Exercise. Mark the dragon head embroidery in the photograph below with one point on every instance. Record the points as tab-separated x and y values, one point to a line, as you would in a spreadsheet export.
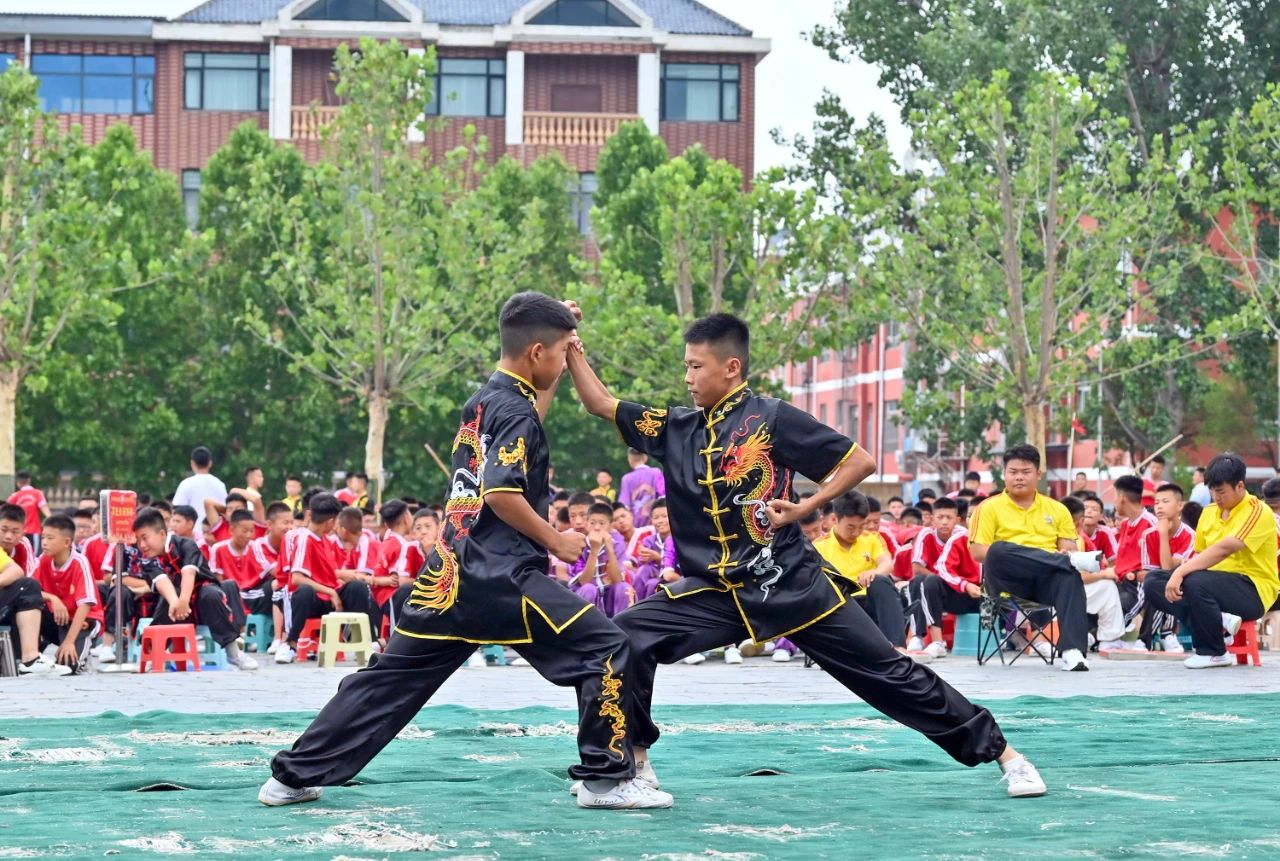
748	454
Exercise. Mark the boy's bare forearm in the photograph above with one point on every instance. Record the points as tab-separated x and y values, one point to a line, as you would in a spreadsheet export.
591	391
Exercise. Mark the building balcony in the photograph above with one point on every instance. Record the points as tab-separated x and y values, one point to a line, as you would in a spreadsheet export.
553	128
308	122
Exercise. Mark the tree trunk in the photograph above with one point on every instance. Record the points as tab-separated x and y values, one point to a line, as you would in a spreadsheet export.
10	379
378	407
1033	415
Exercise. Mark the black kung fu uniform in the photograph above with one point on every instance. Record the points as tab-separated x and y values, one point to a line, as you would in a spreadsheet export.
743	578
483	583
208	601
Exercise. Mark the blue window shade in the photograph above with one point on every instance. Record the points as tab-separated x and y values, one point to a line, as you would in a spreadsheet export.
95	83
583	13
701	92
5	60
226	82
349	10
468	88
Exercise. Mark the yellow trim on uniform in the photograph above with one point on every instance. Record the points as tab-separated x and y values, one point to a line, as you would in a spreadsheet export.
666	587
616	426
847	455
843	600
711	412
516	376
525	603
489	490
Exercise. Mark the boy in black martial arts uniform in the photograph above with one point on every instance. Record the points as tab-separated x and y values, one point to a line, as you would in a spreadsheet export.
486	581
748	572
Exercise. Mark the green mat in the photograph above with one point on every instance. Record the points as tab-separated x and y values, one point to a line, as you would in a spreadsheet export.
1129	777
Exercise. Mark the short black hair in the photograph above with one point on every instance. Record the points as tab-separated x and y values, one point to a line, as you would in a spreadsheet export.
186	511
1130	486
924	507
22	477
962	507
13	513
811	518
249	470
425	512
1159	459
1073	505
349	518
945	504
562	516
393	511
1172	487
912	514
728	336
1225	469
581	498
241	516
532	318
82	514
828	509
873	505
1271	489
605	470
1026	452
619	506
148	518
62	523
928	493
966	493
660	502
202	457
235	497
293	478
163	505
603	508
894	499
851	504
324	506
1081	475
972	476
561	496
1191	514
277	508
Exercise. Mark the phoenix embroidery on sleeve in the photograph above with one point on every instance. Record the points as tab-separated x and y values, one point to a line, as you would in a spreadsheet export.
651	422
517	455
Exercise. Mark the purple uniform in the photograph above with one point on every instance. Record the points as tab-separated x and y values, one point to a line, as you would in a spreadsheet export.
610	598
640	488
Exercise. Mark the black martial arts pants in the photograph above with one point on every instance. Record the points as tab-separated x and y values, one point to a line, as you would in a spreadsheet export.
209	608
306	604
933	596
390	608
234	603
51	633
1206	595
883	604
1043	577
374	704
845	643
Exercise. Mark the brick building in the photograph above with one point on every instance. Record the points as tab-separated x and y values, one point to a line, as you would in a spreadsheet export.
531	75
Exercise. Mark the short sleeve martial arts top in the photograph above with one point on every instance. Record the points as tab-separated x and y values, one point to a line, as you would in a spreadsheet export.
483	578
722	466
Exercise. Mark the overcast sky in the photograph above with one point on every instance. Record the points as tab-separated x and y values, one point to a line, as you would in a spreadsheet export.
788	84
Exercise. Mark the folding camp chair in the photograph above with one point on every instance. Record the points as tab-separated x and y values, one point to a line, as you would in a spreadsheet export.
1001	621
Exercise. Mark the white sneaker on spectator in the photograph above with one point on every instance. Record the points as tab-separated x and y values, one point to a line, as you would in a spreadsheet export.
1074	662
1209	662
242	662
1086	561
477	661
915	644
519	662
1135	646
1043	648
275	794
274	647
285	655
43	666
937	649
1231	624
781	656
1112	646
769	647
1172	644
1022	778
105	654
732	655
695	659
631	794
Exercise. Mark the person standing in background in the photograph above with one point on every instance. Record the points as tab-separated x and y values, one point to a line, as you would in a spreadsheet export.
202	484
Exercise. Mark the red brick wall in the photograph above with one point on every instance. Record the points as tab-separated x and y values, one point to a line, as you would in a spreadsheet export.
615	75
591	48
734	142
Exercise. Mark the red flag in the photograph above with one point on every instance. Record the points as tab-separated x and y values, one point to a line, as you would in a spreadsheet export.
1079	429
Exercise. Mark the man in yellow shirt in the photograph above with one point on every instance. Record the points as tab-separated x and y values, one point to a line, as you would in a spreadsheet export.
1026	543
865	568
1232	576
21	605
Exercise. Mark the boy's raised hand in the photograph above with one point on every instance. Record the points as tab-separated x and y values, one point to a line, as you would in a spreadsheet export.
568	546
574	309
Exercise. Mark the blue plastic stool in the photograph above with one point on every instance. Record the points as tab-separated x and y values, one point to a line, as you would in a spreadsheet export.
135	642
263	630
965	638
495	655
212	656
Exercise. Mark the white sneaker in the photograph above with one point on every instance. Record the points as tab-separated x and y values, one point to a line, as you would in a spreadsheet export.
732	655
274	647
781	656
695	659
105	654
1074	662
1209	662
1172	644
1113	646
275	794
936	649
477	661
770	647
242	662
631	794
1023	779
1231	624
1043	648
644	773
1086	561
43	665
285	655
519	662
1135	646
915	644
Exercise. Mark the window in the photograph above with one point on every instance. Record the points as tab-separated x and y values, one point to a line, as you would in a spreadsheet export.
226	82
6	59
700	92
349	10
822	413
851	427
583	13
191	196
892	431
470	88
95	84
582	196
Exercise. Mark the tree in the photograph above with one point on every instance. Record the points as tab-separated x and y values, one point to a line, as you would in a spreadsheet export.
768	253
1034	236
75	236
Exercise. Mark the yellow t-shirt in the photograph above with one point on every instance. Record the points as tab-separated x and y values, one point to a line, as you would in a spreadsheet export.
858	558
607	492
1040	526
5	560
1253	523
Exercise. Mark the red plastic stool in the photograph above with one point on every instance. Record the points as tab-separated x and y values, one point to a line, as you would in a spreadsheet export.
386	627
309	639
1245	646
155	648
